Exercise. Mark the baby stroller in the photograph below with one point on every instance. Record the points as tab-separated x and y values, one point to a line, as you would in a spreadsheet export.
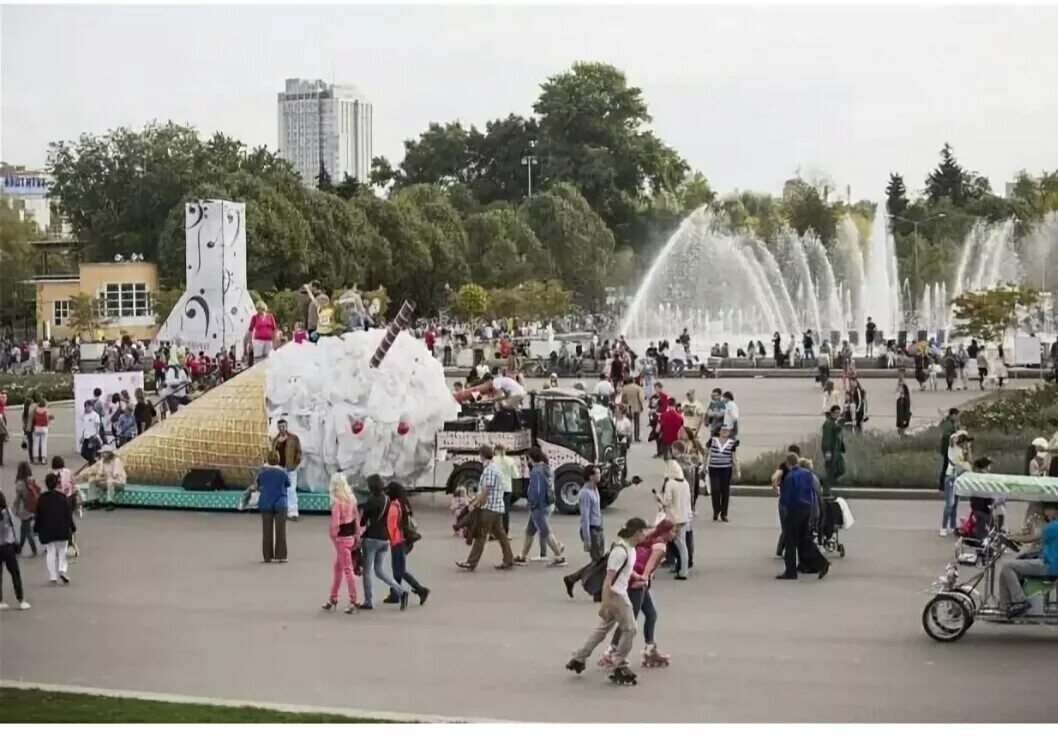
834	516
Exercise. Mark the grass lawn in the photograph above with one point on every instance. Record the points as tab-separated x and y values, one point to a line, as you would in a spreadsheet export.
38	706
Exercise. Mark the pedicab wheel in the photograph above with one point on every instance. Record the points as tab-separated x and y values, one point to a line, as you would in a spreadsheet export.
946	618
841	550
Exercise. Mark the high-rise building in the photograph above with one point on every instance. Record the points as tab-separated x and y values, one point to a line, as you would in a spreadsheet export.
326	124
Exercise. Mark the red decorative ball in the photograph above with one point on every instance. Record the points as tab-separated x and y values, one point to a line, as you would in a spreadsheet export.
356	427
403	428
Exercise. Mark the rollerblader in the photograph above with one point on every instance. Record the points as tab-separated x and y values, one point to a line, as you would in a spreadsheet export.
649	554
616	609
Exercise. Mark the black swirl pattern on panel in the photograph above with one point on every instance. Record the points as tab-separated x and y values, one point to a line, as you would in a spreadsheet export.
192	313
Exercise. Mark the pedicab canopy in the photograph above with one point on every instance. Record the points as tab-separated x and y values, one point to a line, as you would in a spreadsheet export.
1007	487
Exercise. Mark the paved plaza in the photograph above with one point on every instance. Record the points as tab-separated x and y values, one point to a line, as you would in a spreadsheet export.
178	602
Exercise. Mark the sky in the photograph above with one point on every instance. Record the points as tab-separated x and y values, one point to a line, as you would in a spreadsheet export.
749	95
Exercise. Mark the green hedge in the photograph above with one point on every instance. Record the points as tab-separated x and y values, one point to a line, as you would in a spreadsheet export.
878	459
1003	426
48	385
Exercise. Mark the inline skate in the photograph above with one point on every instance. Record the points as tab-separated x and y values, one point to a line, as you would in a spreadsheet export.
653	658
624	676
609	659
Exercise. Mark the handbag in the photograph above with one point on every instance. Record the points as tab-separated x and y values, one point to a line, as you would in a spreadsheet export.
410	529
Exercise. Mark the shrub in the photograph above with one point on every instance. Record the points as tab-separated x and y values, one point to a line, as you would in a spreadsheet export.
878	459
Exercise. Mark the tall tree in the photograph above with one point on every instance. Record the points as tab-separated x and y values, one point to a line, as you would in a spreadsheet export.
502	249
577	239
591	135
947	179
16	266
895	195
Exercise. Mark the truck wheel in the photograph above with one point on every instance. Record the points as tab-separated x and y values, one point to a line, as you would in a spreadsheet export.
567	489
468	477
606	500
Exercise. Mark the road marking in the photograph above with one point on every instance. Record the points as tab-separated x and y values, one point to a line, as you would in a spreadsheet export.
400	717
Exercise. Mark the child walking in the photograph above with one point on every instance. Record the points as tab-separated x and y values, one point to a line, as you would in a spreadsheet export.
345	535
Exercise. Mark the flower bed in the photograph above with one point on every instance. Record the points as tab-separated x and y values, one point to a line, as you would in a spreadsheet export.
48	385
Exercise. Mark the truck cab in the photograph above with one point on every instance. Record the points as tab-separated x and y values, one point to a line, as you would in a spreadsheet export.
573	432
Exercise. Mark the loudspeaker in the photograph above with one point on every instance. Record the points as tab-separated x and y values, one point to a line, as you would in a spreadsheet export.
942	336
835	338
198	480
901	338
854	337
923	335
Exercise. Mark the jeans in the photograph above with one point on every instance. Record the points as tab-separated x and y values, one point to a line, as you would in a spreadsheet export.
55	559
39	449
540	525
508	500
292	493
1010	590
951	505
343	568
7	559
680	541
799	542
720	483
635	425
374	565
617	612
641	602
398	560
25	529
274	534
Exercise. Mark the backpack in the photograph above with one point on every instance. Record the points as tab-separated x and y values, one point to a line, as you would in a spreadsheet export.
593	578
32	496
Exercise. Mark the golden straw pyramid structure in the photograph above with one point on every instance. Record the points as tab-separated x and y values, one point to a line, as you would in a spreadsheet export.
225	429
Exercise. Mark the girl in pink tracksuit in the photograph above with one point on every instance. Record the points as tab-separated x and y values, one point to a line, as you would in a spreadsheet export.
345	535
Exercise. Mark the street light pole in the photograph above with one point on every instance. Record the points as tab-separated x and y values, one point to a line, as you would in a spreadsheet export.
527	161
915	224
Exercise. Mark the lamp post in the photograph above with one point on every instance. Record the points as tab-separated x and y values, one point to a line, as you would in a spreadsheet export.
527	161
915	224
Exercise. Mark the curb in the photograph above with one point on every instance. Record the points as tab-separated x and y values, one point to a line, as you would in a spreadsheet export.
399	717
849	493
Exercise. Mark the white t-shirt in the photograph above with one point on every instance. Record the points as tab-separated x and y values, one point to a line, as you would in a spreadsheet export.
508	385
604	389
730	414
624	427
622	559
90	425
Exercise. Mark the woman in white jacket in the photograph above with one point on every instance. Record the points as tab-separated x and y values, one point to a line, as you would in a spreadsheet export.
831	397
675	501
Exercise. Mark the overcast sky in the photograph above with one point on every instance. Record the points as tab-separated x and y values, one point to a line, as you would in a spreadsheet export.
746	95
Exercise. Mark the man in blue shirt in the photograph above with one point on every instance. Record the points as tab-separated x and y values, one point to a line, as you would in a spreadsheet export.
1011	593
591	532
797	497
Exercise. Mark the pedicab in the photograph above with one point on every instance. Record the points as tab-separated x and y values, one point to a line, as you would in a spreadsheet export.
958	602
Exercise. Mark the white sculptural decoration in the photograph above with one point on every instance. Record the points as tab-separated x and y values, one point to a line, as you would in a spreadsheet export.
214	312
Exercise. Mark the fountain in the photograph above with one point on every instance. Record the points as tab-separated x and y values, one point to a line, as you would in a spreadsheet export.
725	286
729	287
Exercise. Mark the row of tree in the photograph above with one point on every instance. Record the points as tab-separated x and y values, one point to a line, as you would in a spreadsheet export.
606	193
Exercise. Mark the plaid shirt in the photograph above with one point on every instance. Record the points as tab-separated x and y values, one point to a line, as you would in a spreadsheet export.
490	481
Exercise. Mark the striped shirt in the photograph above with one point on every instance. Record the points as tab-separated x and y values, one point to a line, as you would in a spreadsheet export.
490	481
721	453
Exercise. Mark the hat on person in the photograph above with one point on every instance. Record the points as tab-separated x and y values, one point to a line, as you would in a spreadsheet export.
633	526
1040	443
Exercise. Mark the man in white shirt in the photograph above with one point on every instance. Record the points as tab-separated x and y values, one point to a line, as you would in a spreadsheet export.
508	391
731	414
693	417
604	389
616	606
623	426
91	432
176	384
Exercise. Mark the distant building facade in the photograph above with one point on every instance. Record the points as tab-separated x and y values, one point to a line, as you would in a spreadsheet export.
26	192
328	125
